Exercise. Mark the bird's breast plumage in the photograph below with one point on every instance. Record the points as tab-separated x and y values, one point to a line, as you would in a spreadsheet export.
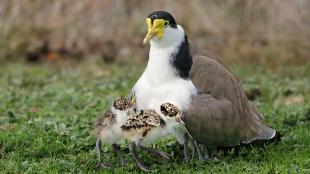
176	91
160	82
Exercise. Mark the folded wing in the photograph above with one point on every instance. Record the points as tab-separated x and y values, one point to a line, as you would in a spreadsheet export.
221	114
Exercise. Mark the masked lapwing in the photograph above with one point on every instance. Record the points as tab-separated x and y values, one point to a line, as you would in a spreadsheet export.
166	76
220	113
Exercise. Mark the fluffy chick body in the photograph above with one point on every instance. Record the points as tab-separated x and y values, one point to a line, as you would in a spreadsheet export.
171	115
108	126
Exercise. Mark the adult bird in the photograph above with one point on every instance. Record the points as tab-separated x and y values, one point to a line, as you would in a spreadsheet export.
166	76
216	109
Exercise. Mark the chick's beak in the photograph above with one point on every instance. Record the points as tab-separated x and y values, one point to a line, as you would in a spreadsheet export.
157	28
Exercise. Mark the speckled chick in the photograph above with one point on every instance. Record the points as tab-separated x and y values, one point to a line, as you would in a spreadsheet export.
108	126
146	127
174	126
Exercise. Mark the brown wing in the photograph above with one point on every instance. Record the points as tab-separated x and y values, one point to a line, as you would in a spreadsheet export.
151	118
221	113
146	118
133	122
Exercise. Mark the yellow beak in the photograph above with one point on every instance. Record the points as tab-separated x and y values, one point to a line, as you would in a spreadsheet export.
156	29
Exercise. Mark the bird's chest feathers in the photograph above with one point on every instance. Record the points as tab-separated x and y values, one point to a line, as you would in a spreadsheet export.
149	95
159	69
159	83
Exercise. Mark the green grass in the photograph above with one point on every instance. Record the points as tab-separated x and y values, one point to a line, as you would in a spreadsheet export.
47	111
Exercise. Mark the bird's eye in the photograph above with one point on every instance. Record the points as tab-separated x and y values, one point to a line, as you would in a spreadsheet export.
166	23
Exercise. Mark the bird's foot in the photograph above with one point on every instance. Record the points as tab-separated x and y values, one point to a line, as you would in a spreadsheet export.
206	158
157	153
162	154
132	149
103	165
142	166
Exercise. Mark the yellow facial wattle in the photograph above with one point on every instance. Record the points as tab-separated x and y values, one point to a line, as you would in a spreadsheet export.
156	29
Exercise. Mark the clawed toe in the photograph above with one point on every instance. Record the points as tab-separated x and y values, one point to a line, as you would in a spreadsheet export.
163	154
206	158
143	167
157	153
103	165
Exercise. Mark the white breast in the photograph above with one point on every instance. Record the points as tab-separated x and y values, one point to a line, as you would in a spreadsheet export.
176	91
159	83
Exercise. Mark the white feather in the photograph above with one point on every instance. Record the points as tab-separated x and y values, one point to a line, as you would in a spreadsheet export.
113	133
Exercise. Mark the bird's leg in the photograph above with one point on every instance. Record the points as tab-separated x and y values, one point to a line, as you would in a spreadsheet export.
202	149
157	153
132	149
116	150
200	157
193	148
185	150
99	151
205	151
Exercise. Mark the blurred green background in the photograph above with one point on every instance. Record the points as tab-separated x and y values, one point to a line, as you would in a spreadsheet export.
266	31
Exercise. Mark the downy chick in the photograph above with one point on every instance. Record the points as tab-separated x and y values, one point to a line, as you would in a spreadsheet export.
145	128
175	126
108	127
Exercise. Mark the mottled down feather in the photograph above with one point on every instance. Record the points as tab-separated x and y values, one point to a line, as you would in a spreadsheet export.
145	118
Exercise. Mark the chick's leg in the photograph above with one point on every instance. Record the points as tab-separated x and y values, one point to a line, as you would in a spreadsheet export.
116	150
99	151
132	149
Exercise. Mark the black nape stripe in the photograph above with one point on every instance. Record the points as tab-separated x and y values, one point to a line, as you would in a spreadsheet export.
182	60
163	15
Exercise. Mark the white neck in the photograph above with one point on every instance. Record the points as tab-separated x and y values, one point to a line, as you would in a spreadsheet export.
172	38
161	54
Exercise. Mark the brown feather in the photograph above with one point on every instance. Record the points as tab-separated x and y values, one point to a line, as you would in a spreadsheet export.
145	118
221	114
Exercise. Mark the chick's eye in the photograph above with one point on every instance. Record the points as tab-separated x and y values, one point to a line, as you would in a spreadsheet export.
166	23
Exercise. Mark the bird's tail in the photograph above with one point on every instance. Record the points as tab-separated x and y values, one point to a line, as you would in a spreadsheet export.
262	133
